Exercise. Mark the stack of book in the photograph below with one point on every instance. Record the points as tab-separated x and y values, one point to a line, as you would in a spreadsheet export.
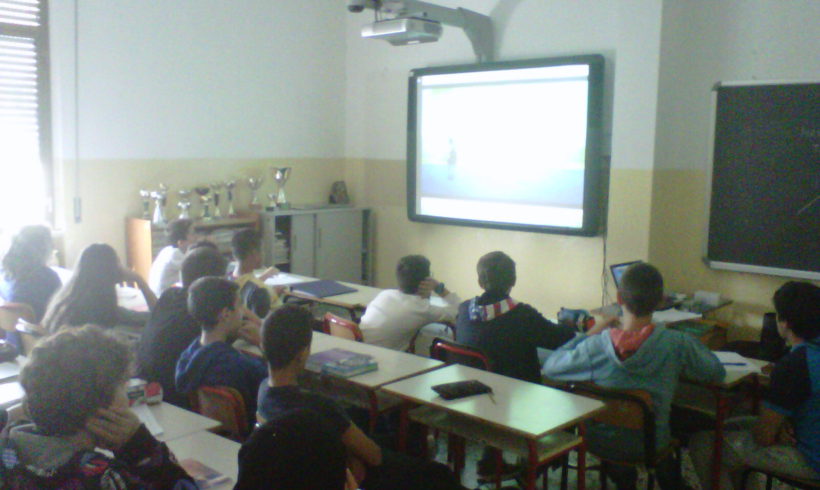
340	362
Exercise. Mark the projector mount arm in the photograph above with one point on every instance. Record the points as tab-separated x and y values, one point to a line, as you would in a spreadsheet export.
478	27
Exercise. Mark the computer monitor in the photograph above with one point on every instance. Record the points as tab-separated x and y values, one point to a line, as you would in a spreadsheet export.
619	269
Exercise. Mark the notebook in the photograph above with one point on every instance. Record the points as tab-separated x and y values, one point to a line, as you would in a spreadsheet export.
340	362
322	288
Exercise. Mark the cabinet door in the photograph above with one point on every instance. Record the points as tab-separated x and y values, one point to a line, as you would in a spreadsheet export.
303	244
339	245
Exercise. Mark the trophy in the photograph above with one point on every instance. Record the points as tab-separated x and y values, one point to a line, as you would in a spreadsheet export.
271	201
206	200
184	203
159	196
145	194
281	175
230	185
216	187
255	183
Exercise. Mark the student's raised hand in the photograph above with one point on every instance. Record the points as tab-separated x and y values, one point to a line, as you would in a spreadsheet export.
269	272
112	427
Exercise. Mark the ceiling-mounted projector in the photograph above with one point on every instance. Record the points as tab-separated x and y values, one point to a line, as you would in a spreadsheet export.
402	22
400	32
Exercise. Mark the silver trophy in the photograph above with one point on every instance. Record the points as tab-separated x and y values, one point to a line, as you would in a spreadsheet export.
281	175
145	194
255	183
230	185
203	192
160	197
271	201
184	203
216	187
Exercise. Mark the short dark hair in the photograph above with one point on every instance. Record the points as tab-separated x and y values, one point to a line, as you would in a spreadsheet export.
178	230
245	242
641	288
208	296
285	333
70	375
410	271
295	450
202	262
798	303
203	244
496	272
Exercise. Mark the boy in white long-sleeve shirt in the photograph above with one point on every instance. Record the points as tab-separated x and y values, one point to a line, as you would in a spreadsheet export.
394	317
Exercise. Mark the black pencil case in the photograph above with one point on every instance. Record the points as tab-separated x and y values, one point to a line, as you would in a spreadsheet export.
461	389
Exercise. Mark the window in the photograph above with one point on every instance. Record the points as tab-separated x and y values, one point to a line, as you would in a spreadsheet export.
25	127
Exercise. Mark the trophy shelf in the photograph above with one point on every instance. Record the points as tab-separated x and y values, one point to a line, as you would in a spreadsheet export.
144	240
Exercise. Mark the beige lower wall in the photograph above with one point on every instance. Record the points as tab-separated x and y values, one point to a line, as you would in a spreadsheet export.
110	191
553	270
679	218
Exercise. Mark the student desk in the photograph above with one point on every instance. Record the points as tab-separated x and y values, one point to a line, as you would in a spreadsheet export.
11	393
177	422
715	400
393	366
9	371
211	450
522	417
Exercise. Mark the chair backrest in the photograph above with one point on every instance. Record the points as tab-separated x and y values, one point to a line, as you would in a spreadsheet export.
454	353
30	334
224	404
10	313
628	409
342	327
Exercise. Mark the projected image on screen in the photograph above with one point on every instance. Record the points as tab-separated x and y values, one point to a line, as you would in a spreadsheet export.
503	146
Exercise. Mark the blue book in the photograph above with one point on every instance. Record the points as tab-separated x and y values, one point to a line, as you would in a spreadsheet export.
340	362
322	288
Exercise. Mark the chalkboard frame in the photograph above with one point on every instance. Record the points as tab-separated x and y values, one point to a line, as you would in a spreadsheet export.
707	235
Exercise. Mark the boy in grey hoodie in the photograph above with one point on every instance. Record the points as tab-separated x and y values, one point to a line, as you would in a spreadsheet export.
636	355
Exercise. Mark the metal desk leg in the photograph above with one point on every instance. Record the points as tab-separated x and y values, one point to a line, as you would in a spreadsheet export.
532	464
403	424
373	402
582	459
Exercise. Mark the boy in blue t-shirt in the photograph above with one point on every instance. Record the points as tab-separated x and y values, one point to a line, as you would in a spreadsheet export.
785	437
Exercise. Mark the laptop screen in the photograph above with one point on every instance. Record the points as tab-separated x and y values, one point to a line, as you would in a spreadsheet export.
618	271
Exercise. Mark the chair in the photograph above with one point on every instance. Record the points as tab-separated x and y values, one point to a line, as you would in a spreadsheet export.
11	313
774	475
451	352
30	334
224	404
628	409
342	327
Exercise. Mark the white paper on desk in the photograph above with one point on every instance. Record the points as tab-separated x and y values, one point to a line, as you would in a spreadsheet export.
673	315
732	361
9	370
146	417
285	280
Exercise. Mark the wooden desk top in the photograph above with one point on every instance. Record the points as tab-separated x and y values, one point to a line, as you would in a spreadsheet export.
527	409
211	450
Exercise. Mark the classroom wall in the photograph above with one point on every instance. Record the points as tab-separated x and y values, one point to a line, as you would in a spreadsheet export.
187	92
703	43
554	270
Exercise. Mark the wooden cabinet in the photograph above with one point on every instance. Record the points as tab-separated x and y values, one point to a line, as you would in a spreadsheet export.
144	241
329	243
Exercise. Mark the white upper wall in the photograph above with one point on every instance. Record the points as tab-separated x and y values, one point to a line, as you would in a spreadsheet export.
176	79
626	32
730	40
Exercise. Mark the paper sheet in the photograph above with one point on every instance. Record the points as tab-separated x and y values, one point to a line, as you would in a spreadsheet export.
732	361
674	315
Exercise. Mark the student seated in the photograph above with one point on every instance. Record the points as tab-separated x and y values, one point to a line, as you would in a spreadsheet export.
286	339
509	332
165	269
785	437
171	328
211	360
637	355
395	316
296	450
26	276
256	295
77	403
90	296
